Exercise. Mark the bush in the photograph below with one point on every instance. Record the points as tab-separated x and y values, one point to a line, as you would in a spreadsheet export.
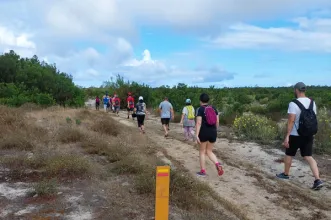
255	127
258	109
44	99
323	136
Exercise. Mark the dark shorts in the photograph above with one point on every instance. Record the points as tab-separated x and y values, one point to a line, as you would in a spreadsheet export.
97	103
140	119
130	109
165	121
305	144
208	134
116	108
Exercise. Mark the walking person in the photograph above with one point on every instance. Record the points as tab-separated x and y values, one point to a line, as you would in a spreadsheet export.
105	102
130	104
206	134
166	112
187	120
301	128
140	111
116	104
97	103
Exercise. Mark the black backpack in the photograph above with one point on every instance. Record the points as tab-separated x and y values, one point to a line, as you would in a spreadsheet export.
308	125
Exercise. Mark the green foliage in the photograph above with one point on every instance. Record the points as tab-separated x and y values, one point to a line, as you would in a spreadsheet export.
255	127
78	122
323	136
25	80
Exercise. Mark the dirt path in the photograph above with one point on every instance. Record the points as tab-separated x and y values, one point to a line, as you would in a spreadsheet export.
249	185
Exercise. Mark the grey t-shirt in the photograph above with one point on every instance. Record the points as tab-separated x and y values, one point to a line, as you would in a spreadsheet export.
165	107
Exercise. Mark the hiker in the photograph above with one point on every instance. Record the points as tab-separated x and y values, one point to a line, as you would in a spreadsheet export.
166	113
206	134
116	104
301	128
140	111
97	103
105	102
130	104
187	120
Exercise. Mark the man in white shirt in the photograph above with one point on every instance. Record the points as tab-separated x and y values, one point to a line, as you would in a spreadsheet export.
293	141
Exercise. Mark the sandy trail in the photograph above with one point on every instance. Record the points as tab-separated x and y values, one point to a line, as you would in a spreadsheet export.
249	182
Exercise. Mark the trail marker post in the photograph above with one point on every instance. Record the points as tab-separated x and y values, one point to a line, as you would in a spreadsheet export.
162	193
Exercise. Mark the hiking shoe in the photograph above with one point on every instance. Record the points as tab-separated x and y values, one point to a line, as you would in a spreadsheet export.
219	169
283	176
318	184
203	174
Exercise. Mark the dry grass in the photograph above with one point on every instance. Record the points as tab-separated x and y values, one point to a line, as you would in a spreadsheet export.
70	135
46	187
114	150
109	127
67	166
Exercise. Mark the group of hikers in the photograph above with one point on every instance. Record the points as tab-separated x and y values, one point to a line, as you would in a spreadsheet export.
301	128
109	103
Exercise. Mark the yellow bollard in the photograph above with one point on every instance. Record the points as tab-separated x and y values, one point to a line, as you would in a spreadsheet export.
162	193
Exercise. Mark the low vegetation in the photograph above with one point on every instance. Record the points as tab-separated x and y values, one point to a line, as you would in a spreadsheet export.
254	127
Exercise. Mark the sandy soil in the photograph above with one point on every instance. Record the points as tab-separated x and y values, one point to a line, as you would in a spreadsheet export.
249	181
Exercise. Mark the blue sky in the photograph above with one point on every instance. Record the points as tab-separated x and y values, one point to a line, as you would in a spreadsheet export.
212	42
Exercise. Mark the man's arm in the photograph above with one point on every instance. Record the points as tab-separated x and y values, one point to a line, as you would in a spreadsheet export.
290	124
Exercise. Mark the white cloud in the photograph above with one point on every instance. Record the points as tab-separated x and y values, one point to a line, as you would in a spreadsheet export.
307	35
95	39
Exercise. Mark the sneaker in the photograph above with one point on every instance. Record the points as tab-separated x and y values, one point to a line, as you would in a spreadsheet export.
283	176
219	169
203	174
318	184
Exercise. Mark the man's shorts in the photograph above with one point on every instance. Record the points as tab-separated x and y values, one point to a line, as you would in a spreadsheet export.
116	108
130	109
165	121
305	144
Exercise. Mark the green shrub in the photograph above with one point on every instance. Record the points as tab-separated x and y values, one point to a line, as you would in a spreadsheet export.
323	136
264	101
258	109
44	99
255	127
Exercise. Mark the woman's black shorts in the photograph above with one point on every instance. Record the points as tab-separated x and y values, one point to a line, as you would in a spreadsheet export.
140	119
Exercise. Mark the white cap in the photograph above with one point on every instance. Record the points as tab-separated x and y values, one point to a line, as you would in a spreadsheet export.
141	98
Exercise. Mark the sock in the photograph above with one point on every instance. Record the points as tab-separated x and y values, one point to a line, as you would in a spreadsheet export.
203	171
218	164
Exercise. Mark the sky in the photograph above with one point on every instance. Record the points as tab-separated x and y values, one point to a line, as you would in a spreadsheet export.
224	43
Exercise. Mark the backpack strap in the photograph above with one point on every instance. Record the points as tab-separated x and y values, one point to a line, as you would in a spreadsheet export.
298	103
311	106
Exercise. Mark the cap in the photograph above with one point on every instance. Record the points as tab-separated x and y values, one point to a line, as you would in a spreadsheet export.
141	98
300	86
188	101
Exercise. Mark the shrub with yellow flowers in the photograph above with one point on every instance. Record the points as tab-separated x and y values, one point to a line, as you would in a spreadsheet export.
255	127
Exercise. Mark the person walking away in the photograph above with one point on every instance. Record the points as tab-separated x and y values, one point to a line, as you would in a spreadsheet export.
130	104
97	103
141	112
105	102
166	112
187	120
116	103
206	134
301	128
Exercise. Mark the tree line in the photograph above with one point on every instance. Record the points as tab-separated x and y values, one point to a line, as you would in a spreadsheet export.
29	80
232	102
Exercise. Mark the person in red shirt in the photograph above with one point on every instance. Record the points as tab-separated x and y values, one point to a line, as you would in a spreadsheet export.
116	104
130	104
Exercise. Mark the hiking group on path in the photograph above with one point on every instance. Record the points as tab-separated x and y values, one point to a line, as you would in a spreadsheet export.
301	127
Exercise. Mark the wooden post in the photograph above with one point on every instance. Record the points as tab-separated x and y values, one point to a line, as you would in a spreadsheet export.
162	193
